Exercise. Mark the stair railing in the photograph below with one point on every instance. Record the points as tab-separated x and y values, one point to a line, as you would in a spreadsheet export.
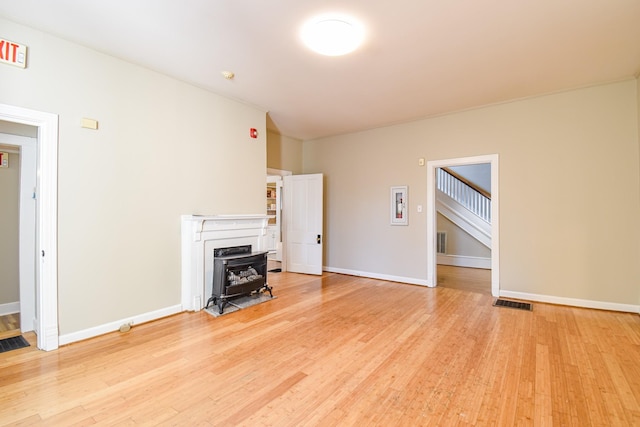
464	192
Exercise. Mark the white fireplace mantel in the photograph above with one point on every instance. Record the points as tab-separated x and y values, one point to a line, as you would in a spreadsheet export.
201	234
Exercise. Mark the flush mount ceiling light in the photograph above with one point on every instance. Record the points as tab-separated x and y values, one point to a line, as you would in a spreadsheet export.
332	35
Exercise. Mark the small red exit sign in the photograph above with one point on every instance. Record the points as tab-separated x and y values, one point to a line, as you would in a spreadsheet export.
4	160
13	53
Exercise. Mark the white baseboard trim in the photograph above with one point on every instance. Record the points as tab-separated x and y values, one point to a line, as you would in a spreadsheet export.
574	302
9	308
409	280
114	326
464	261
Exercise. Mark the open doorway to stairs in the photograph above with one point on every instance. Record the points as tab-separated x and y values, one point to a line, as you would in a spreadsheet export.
432	167
46	265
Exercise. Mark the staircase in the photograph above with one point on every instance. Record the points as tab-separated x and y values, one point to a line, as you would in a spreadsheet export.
464	204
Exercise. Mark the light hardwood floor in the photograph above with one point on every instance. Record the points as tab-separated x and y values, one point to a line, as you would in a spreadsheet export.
468	279
345	351
9	325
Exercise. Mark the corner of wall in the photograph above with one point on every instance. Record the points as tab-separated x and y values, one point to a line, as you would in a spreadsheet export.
638	137
284	152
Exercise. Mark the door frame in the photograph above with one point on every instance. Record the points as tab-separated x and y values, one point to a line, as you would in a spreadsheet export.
432	277
46	219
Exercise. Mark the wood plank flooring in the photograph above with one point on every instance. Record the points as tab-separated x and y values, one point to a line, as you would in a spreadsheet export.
9	325
468	279
345	351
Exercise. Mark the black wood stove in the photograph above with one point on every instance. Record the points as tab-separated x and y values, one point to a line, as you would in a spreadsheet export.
237	271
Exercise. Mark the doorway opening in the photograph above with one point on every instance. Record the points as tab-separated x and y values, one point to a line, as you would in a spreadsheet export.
276	261
295	232
19	229
46	264
432	216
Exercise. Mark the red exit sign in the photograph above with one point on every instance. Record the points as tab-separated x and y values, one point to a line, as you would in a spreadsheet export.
13	53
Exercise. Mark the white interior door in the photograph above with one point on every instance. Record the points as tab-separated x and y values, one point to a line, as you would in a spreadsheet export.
303	223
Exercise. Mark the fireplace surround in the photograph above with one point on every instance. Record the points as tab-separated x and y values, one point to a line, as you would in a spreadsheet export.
201	235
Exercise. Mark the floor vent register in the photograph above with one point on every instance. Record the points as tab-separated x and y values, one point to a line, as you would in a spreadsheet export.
513	304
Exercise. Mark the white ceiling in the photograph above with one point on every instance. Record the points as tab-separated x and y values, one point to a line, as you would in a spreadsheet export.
420	58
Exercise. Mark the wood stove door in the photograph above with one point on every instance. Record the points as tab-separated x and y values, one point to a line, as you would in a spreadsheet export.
245	274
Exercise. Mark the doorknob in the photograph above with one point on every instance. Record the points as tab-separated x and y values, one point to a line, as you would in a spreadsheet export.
318	239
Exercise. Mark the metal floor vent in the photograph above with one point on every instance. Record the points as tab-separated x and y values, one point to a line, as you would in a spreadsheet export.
13	343
513	304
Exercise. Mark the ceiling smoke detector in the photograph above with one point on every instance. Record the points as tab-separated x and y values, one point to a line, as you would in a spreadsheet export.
332	35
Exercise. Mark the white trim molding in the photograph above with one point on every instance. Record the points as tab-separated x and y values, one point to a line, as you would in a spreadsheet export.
46	324
387	277
573	302
115	325
464	261
9	308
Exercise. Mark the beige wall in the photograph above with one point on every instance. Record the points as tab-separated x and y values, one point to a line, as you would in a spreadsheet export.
9	213
459	242
163	149
284	153
569	191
